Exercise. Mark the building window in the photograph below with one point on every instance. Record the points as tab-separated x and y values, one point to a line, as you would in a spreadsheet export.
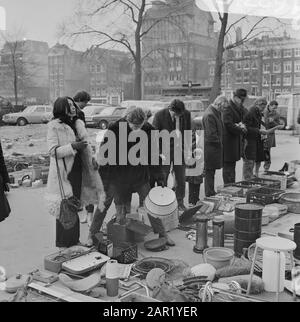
287	53
93	68
246	64
278	81
254	64
287	80
266	68
266	80
297	52
254	52
238	54
287	66
247	53
238	65
277	53
254	90
297	79
212	70
266	54
246	77
277	67
238	78
297	66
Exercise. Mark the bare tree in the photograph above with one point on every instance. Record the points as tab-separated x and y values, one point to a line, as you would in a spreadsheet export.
18	68
257	26
120	22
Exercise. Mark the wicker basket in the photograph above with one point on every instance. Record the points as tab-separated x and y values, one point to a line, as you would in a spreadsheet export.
125	253
264	196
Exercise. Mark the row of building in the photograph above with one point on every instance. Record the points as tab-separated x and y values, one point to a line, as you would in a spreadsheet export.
178	59
44	73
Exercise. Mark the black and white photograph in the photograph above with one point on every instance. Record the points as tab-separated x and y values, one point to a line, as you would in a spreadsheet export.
149	153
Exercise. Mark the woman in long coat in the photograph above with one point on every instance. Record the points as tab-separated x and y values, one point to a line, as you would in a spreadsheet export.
4	180
61	138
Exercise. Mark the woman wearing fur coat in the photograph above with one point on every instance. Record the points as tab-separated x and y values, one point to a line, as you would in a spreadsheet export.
65	133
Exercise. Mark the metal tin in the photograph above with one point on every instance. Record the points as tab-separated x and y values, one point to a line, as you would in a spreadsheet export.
201	234
218	233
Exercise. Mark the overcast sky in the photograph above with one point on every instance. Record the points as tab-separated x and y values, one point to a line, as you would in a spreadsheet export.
40	18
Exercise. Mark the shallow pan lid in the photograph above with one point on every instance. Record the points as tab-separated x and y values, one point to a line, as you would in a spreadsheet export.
162	196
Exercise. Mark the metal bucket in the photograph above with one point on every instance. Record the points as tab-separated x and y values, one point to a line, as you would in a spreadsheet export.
248	223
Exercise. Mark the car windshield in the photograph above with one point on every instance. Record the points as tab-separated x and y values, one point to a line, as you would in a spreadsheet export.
29	109
107	112
92	110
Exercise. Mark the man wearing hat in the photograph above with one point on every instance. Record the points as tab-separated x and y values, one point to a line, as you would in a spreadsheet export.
234	131
254	147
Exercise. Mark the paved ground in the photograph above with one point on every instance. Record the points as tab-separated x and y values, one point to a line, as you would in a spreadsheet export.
27	236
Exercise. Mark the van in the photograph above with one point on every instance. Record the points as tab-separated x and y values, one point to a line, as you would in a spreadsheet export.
288	109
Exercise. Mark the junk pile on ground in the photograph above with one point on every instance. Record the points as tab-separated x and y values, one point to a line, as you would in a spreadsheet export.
239	261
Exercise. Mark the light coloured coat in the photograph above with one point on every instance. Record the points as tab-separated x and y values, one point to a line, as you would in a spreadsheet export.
61	136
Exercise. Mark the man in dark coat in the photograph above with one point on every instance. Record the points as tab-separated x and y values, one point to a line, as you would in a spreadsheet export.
175	118
254	149
128	176
234	131
213	142
4	187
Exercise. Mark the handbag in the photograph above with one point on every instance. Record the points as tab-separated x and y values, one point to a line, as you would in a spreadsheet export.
69	207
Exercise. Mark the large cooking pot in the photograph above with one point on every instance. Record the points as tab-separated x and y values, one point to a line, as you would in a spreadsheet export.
161	201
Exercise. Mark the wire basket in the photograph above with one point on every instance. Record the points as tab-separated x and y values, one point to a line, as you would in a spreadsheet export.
125	253
274	184
247	186
264	196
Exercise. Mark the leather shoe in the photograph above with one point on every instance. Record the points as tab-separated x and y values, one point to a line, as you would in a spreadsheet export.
169	242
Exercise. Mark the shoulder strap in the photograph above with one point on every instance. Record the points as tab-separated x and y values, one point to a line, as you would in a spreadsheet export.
61	187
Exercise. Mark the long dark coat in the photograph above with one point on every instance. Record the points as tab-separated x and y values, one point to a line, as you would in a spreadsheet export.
254	149
132	174
163	121
4	178
233	135
213	139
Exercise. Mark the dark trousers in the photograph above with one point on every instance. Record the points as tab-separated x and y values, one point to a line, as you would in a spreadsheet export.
194	191
123	193
100	216
229	172
179	171
209	182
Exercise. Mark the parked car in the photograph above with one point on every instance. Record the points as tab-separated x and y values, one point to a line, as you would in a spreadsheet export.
31	114
5	107
109	115
92	112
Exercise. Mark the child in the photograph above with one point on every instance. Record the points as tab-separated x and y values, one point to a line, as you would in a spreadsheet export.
198	154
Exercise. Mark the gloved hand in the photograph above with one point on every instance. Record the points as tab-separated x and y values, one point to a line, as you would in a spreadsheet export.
95	164
6	187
